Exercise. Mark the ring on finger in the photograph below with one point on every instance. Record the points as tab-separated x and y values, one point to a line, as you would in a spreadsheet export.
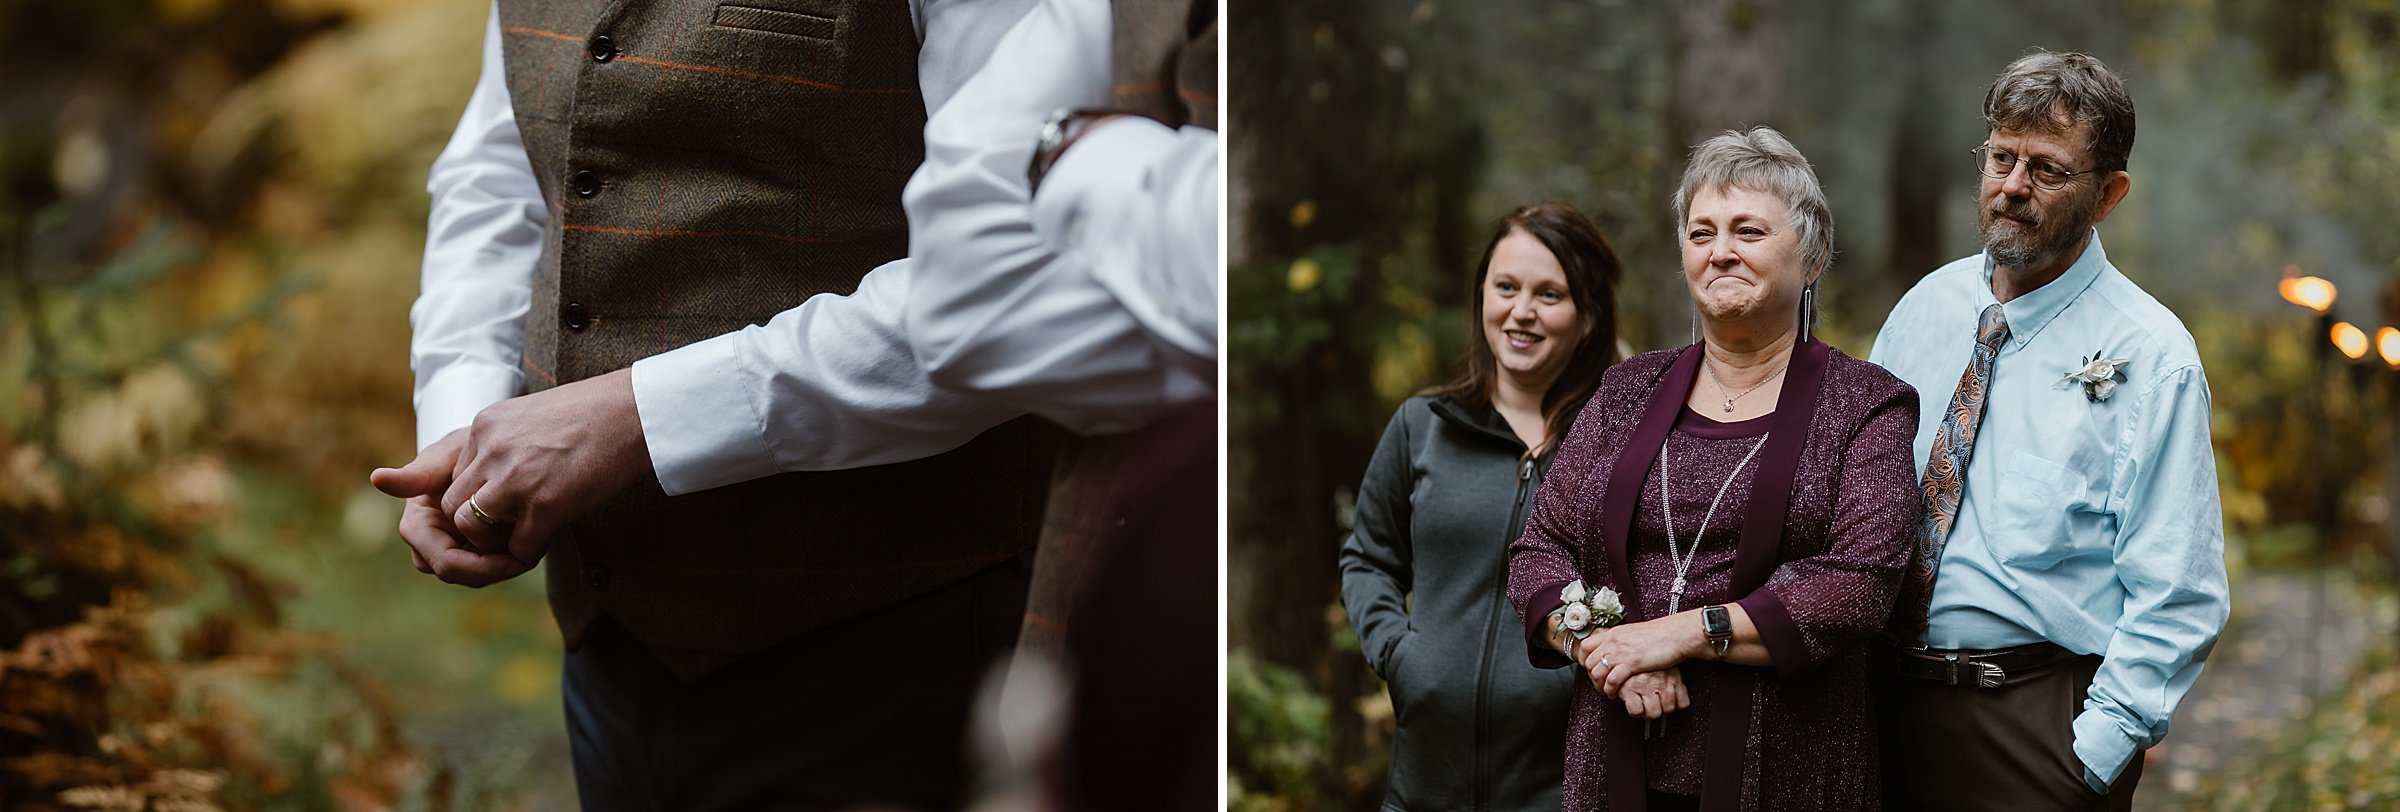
481	516
1603	658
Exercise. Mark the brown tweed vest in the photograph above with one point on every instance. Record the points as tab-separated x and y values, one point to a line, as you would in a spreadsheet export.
1164	56
707	165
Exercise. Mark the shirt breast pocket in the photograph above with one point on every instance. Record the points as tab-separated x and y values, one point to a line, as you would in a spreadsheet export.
2037	503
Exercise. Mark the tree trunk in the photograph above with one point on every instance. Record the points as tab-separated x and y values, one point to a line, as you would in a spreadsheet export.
1726	72
1919	184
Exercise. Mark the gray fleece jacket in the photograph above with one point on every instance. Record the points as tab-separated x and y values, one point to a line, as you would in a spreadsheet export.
1424	579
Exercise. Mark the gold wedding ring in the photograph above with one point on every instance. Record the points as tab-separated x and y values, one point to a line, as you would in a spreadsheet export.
481	516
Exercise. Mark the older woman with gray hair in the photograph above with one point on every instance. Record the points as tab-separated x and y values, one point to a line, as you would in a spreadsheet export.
1726	525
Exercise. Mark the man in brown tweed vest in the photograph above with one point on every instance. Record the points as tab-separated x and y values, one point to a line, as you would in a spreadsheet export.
636	177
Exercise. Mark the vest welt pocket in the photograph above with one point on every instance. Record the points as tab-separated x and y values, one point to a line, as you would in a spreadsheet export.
777	21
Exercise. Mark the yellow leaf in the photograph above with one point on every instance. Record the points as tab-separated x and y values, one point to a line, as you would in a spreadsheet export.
1304	213
1304	275
527	678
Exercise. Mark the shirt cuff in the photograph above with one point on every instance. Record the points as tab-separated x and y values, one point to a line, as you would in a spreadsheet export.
450	399
1089	180
2103	748
701	416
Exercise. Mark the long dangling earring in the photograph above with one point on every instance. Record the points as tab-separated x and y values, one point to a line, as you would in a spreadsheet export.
1695	322
1808	312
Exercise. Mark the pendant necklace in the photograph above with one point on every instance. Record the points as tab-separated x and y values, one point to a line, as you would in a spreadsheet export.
1720	382
1683	558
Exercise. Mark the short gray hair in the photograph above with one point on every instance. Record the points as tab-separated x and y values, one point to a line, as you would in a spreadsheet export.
1761	160
2051	93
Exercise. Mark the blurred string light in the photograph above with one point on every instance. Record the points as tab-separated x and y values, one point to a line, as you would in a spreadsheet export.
2350	340
2387	344
2310	292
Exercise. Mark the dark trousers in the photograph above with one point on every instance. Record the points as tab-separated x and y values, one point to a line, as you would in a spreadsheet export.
870	712
2008	748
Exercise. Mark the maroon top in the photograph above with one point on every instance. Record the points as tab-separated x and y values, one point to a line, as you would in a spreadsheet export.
1823	523
1701	456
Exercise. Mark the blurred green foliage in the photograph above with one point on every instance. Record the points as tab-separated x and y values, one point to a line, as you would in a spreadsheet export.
1279	732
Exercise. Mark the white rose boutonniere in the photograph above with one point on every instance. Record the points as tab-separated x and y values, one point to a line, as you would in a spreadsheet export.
2099	375
1589	610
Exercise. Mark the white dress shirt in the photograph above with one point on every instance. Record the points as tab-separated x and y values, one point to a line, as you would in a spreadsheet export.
836	382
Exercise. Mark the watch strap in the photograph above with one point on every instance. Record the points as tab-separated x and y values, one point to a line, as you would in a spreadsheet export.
1059	133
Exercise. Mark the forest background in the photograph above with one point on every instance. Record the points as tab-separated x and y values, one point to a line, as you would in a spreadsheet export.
1374	142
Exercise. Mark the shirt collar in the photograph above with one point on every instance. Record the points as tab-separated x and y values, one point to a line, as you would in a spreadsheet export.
2028	314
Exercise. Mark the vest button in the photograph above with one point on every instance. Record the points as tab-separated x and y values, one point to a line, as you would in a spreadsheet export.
586	183
603	48
577	317
595	576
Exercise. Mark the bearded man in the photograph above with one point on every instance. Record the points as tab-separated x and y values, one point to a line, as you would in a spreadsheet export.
2070	579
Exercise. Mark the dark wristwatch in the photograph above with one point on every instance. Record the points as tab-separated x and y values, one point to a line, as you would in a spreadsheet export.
1058	133
1717	623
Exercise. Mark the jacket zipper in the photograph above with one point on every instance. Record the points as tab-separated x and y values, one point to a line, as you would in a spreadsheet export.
1483	680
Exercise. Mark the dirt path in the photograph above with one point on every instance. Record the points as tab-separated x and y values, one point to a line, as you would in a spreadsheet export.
2258	682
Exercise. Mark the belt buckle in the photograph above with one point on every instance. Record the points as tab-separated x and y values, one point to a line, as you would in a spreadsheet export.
1992	675
1986	674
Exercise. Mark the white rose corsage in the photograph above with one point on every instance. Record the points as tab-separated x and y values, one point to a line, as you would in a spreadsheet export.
1588	610
2099	376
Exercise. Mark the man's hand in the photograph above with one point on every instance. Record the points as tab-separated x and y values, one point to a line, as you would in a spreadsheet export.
434	544
531	465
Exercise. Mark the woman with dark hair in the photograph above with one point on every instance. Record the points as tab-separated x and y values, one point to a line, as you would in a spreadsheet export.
1424	568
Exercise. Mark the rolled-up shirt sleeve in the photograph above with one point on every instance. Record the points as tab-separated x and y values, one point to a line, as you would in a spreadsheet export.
2170	557
482	243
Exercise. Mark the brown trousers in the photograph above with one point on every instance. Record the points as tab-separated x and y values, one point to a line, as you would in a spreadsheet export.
2007	748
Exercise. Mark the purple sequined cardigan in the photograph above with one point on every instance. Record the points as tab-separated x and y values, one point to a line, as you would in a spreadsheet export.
1818	571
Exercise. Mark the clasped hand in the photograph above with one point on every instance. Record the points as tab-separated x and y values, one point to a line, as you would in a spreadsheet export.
531	464
1637	664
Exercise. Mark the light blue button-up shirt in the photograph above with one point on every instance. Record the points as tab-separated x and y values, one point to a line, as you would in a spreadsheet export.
2092	524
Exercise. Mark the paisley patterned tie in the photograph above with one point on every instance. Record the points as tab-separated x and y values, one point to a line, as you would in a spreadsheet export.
1946	475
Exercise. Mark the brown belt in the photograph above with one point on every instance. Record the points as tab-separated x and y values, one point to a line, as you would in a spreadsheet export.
1981	669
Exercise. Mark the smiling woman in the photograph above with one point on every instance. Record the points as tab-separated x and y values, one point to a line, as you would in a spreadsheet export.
1444	495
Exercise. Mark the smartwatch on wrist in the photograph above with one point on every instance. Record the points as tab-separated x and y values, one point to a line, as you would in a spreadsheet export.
1716	622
